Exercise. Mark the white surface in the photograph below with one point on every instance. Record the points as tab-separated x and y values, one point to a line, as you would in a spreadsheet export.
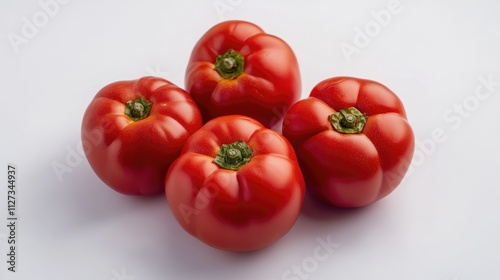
442	223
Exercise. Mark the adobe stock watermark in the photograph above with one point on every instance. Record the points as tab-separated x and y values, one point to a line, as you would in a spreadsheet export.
31	26
156	71
371	29
222	7
453	117
121	275
73	158
75	155
203	197
310	264
212	186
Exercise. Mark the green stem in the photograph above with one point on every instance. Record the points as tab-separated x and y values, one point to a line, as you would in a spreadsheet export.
348	121
138	109
233	156
230	65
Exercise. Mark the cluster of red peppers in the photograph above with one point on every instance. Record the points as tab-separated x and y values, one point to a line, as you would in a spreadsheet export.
215	149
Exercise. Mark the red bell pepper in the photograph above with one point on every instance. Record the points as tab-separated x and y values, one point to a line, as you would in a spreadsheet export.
236	68
352	139
137	129
236	186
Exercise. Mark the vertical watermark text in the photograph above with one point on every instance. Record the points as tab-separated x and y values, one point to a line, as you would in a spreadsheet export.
12	223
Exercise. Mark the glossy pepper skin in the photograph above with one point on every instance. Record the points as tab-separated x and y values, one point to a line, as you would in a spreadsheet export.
350	158
236	186
236	68
133	130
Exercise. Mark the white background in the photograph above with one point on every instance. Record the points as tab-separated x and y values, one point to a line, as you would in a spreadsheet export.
442	223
